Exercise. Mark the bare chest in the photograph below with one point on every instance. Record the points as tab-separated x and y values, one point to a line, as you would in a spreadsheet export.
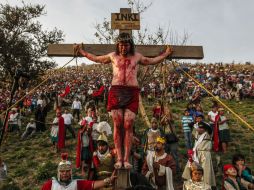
128	64
125	70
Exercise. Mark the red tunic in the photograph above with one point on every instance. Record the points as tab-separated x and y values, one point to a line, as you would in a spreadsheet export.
123	97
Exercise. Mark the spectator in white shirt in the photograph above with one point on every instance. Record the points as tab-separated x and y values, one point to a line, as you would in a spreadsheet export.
67	122
40	101
212	114
30	129
76	107
13	120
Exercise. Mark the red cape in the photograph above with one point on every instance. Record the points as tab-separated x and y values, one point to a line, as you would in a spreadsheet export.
61	133
79	147
82	184
66	91
98	92
216	146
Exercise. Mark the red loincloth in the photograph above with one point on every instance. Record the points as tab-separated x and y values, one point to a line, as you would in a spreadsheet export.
123	97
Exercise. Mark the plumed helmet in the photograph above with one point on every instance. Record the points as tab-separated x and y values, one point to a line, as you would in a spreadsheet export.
103	138
63	165
103	126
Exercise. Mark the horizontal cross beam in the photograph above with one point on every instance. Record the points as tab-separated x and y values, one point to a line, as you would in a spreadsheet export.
179	52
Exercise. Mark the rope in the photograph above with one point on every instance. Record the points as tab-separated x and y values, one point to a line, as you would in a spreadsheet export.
211	94
6	111
45	80
35	120
76	60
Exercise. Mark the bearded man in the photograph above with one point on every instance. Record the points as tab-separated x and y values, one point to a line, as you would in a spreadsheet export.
64	179
103	161
159	167
123	96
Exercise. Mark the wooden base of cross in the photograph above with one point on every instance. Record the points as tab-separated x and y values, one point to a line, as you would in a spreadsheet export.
123	179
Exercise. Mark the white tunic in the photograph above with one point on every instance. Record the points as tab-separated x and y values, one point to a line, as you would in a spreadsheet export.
54	128
57	186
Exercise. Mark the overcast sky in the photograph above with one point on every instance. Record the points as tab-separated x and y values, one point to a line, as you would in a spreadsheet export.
224	28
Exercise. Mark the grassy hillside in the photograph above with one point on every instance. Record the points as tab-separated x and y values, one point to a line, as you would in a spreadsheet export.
32	161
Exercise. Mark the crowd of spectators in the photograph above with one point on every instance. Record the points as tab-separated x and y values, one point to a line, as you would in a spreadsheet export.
77	86
226	81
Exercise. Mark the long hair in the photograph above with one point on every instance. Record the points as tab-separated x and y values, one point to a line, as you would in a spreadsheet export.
125	38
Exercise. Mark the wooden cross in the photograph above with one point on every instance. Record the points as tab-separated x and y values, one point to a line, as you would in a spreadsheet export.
125	21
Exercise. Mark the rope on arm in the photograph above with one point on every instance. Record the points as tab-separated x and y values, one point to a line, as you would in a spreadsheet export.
45	80
10	107
211	94
76	49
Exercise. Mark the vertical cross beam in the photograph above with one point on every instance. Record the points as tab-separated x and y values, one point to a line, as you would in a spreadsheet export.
125	21
125	10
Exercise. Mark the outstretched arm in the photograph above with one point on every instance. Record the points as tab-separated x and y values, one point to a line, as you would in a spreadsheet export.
106	182
158	59
98	59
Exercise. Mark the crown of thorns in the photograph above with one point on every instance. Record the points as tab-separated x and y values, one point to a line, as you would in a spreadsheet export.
124	39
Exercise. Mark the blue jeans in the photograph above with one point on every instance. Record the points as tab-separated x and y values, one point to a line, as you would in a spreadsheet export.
188	140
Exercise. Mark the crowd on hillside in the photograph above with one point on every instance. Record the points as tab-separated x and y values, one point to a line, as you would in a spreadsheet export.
224	81
79	95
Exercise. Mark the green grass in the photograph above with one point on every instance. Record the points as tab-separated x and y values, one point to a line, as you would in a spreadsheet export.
33	161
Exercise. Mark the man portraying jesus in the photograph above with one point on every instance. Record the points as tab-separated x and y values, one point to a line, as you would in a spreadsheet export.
124	92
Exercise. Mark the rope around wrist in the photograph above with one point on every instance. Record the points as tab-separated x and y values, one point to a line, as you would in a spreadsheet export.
107	181
77	48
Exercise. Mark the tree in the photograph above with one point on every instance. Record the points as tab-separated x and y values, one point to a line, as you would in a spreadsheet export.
23	42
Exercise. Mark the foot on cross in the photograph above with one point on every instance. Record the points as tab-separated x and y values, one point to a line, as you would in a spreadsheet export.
127	165
118	164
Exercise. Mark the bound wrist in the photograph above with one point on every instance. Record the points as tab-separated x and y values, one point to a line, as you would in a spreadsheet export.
107	181
83	52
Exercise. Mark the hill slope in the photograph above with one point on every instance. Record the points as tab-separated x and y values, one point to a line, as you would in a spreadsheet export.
32	161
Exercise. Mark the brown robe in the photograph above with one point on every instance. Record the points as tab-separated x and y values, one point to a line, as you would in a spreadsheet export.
168	161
